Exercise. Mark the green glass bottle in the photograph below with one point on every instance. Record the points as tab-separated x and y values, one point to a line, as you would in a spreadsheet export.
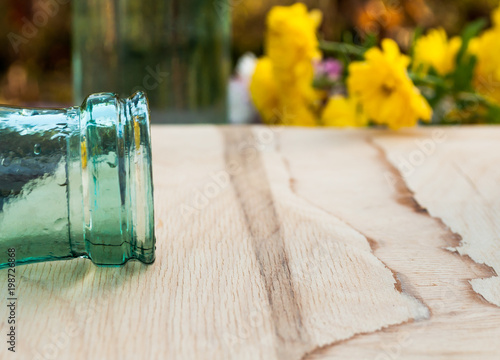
77	182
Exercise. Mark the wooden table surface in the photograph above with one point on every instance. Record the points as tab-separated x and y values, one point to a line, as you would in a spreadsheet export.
290	243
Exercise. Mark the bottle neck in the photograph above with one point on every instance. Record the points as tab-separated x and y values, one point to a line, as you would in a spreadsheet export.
77	182
110	181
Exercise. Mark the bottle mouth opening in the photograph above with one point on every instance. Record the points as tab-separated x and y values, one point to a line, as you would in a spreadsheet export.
140	178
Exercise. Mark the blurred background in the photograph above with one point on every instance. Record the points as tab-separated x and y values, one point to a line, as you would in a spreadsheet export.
36	51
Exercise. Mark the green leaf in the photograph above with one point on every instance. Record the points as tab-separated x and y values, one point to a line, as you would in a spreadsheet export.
466	63
345	49
429	80
370	41
471	31
347	37
464	74
416	35
493	116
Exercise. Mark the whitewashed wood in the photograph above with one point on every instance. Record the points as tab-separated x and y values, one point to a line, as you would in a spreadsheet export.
289	243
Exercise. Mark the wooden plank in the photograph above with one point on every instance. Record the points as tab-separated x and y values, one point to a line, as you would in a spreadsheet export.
466	198
291	243
369	193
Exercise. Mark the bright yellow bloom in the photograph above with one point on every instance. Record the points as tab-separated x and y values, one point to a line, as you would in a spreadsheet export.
264	90
291	42
386	92
486	48
344	112
285	108
294	113
496	17
281	86
434	50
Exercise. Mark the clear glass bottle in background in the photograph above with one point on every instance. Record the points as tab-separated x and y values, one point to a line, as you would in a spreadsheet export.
178	51
77	182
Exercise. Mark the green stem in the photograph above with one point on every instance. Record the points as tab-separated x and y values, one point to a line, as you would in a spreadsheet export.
342	48
428	80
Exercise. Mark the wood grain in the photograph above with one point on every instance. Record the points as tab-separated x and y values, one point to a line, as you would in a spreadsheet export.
290	243
467	197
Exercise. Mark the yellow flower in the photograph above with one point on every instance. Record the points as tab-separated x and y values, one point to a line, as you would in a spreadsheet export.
291	41
342	111
386	92
293	113
281	86
486	48
434	50
496	17
263	89
285	107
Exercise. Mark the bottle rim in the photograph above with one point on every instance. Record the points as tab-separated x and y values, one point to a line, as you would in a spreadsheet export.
128	233
141	178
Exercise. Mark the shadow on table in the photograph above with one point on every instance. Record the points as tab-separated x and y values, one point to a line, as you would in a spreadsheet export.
60	277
